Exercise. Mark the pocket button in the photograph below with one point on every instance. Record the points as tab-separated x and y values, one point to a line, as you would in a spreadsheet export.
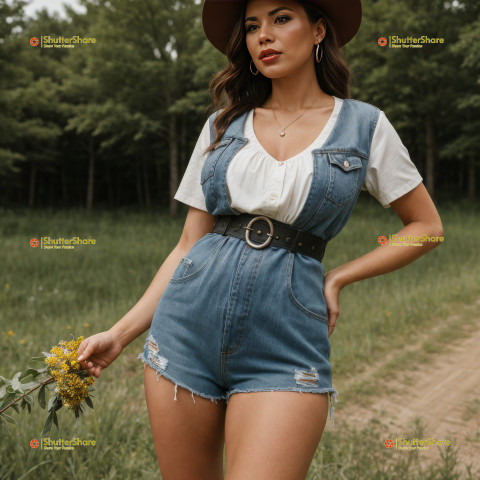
346	164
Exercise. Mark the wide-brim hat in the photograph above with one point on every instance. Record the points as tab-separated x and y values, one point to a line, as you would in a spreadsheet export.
219	17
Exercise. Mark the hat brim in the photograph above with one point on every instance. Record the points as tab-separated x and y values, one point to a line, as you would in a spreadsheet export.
219	17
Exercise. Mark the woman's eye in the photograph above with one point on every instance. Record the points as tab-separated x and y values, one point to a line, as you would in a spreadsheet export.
280	17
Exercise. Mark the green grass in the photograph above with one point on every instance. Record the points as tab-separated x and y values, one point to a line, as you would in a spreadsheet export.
46	295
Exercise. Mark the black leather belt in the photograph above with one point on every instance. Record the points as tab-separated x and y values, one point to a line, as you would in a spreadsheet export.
260	231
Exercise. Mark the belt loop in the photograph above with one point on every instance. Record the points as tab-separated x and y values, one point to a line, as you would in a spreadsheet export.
296	241
226	219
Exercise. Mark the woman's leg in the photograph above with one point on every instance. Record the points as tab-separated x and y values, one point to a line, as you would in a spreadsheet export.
273	435
189	437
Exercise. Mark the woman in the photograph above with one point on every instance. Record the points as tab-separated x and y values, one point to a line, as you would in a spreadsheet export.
242	309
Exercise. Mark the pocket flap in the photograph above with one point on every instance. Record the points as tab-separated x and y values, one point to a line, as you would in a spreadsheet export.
346	161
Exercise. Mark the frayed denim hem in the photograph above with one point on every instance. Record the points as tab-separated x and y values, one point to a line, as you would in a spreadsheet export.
177	383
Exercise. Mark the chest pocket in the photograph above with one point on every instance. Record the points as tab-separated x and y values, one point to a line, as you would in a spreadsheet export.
210	163
344	180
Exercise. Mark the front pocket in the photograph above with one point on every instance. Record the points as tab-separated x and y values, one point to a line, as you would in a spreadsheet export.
343	185
202	252
182	268
305	285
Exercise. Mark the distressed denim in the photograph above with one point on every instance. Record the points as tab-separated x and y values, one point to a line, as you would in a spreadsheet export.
237	319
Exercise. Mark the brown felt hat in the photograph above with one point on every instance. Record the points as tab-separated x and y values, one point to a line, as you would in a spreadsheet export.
219	17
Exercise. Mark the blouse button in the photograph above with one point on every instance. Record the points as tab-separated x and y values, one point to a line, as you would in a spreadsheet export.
280	164
273	196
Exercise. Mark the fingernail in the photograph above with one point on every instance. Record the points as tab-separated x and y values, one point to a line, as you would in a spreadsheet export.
80	357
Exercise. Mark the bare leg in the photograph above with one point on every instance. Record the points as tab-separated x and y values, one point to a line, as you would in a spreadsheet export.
273	435
189	437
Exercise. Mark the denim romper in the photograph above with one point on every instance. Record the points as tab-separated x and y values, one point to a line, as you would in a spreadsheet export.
237	319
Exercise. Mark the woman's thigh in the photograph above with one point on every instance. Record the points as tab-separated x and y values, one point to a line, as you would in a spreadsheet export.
273	435
188	437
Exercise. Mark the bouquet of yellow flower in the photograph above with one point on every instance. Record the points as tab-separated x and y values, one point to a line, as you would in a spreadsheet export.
73	386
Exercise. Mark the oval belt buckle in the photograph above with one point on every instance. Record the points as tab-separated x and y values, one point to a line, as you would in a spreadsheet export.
248	229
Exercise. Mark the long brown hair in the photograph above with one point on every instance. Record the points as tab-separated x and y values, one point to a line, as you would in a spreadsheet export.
241	91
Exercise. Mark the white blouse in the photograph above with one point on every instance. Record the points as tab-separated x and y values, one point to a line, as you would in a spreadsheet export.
258	183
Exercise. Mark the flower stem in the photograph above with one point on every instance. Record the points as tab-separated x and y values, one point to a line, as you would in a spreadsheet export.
46	382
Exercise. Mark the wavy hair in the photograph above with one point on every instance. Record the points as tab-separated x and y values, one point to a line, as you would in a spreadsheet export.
236	90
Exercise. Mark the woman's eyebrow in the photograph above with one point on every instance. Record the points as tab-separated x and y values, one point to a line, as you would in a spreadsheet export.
273	12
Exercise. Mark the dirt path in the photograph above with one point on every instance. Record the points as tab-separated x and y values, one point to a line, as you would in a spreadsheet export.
444	393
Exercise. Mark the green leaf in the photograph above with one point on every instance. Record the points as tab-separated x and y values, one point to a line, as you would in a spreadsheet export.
8	418
41	396
7	399
16	384
15	407
31	371
55	420
48	423
51	402
28	399
89	402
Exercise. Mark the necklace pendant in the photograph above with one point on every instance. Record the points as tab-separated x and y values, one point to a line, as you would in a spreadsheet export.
282	133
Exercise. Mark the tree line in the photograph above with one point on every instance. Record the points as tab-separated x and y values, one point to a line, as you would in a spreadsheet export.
114	122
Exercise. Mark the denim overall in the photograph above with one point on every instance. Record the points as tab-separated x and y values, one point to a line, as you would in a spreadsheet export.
237	319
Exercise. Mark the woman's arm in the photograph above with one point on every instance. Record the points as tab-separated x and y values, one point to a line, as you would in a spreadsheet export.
100	350
419	215
139	318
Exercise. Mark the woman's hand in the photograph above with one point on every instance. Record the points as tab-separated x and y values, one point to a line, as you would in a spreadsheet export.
331	290
98	351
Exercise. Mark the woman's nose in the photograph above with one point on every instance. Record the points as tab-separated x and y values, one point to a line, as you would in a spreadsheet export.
265	34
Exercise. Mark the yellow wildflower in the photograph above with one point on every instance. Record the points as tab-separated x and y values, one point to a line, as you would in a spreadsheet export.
11	333
72	382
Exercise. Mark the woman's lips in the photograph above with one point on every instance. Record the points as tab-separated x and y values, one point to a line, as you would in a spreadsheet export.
270	58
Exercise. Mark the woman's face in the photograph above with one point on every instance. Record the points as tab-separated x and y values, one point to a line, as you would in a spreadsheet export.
281	25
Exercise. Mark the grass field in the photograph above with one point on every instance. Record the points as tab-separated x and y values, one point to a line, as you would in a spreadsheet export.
46	295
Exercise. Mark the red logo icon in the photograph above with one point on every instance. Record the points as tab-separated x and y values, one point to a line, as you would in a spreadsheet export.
34	242
34	41
34	443
382	41
382	240
389	443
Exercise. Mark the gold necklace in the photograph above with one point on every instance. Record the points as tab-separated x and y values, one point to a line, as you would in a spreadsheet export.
282	130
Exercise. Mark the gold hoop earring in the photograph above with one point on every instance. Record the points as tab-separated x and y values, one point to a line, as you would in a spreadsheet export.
316	54
251	68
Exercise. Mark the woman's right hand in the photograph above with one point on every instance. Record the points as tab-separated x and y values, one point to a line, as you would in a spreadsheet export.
98	351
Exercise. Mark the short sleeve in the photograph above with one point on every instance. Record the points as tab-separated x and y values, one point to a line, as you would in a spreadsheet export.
190	190
390	172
